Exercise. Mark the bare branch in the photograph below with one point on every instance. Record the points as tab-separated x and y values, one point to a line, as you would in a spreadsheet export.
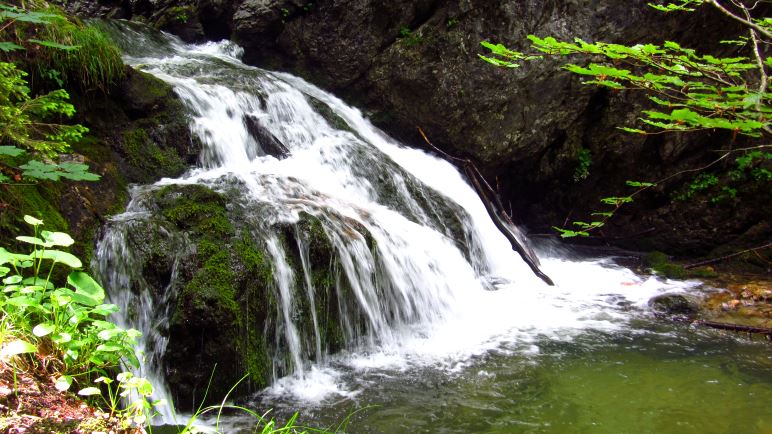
744	21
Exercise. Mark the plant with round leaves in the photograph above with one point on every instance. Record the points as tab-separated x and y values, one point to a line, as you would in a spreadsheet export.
67	320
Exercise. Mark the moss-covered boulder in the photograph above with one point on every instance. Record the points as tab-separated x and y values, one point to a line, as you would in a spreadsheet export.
203	255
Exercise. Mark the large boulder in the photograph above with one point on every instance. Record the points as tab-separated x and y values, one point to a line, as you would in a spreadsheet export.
201	255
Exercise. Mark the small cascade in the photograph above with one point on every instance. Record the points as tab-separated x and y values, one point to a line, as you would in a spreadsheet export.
145	301
339	243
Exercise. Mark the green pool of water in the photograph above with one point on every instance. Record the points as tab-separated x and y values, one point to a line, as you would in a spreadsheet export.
654	379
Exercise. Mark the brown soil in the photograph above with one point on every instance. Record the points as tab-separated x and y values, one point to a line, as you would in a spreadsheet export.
29	403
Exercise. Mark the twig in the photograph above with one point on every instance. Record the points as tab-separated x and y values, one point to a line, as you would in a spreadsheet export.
714	260
735	327
745	22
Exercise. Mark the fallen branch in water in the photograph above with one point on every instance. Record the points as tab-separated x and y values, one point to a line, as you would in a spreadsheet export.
736	328
495	209
722	258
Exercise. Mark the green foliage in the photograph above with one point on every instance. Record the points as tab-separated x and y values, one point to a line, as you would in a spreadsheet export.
24	118
703	181
693	91
65	318
81	55
583	165
32	123
689	91
409	37
95	63
70	318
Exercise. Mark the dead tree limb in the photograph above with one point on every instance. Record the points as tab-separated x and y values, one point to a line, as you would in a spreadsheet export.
497	213
736	328
722	258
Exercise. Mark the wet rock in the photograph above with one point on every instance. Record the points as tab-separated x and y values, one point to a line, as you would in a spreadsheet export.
675	305
267	141
203	256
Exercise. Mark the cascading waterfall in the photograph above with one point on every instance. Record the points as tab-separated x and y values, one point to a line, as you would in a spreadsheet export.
413	243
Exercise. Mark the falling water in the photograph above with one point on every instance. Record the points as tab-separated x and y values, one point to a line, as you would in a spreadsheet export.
412	239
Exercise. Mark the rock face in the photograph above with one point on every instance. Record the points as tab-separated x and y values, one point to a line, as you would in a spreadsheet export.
534	129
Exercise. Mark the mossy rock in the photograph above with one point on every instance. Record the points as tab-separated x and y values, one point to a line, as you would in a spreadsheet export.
197	208
660	263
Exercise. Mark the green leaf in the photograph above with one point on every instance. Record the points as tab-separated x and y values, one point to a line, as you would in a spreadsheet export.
62	338
11	151
87	286
106	335
12	280
9	46
59	256
52	44
17	347
7	257
63	383
38	281
567	233
105	309
632	130
32	220
58	238
43	329
616	200
89	391
639	184
33	240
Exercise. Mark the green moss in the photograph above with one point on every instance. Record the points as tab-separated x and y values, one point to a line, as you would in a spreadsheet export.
211	291
175	15
254	261
142	152
256	357
330	116
655	258
36	200
196	208
702	272
661	264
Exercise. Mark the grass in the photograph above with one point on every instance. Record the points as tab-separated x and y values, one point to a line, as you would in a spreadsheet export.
95	64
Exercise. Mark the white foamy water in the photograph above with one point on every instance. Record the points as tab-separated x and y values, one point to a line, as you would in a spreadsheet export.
418	253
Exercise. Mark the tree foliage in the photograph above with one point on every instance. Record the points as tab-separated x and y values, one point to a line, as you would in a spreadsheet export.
32	124
689	91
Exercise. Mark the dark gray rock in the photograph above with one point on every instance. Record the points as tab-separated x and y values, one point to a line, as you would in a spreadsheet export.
675	305
268	142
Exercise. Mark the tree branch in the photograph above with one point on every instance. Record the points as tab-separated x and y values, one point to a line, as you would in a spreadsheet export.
744	21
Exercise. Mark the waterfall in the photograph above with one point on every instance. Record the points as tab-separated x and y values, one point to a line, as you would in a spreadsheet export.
414	250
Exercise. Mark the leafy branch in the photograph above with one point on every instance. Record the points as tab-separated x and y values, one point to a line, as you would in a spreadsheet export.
690	91
31	123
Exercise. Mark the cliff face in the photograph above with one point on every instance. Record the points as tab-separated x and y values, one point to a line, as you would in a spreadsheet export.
414	64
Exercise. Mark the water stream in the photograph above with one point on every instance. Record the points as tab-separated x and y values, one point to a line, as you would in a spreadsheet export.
459	335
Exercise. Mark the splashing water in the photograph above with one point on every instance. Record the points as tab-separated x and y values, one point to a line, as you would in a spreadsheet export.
424	289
